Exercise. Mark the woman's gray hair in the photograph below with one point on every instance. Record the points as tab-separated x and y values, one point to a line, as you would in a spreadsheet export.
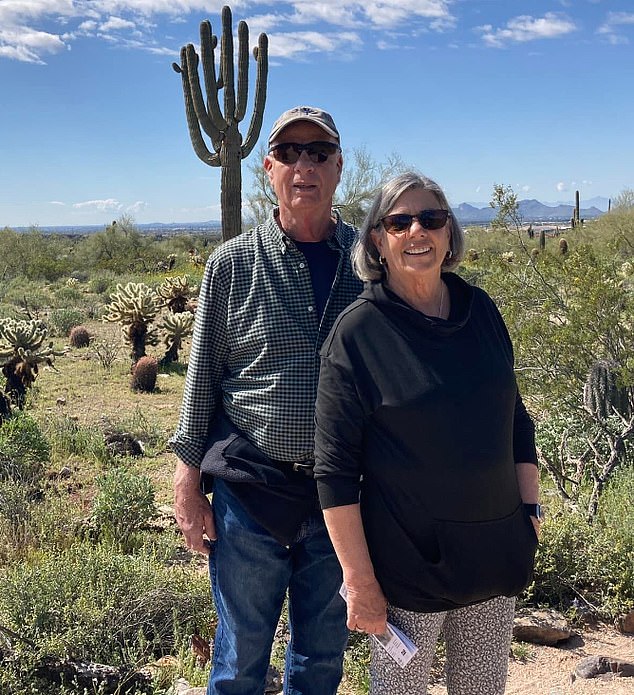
365	256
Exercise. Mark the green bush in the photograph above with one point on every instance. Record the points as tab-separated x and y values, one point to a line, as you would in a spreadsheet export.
588	566
123	505
24	450
15	517
69	438
89	603
103	282
68	297
62	320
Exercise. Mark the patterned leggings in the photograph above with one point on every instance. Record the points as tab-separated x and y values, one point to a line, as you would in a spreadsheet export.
478	639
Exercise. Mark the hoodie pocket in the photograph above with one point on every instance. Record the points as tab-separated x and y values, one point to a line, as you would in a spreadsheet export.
479	560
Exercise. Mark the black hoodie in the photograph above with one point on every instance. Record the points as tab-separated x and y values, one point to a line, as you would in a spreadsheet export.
421	421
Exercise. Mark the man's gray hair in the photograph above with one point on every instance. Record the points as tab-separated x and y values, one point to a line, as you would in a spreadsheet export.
365	255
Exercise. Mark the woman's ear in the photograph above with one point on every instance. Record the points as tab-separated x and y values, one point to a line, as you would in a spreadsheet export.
377	238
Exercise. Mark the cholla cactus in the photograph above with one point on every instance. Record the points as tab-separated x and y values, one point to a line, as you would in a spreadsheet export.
135	306
177	327
21	353
72	282
196	259
176	292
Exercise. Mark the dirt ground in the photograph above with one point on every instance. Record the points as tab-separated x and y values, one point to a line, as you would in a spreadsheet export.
546	671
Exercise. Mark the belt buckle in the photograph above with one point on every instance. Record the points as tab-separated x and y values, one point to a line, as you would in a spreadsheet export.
305	468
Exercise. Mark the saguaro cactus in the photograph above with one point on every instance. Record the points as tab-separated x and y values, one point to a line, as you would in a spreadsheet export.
576	219
228	146
602	393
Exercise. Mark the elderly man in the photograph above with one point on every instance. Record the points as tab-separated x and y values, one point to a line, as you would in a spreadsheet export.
267	301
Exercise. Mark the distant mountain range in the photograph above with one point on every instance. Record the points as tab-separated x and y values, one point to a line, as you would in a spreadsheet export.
530	211
467	213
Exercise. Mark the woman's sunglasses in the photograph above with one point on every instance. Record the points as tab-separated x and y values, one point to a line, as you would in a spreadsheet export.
428	219
318	152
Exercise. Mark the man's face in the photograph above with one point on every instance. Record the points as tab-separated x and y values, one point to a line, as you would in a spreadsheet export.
304	185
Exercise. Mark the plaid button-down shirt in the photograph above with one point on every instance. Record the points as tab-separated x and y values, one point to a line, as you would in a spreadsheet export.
256	343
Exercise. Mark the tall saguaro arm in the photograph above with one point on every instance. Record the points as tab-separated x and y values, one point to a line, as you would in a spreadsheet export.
204	115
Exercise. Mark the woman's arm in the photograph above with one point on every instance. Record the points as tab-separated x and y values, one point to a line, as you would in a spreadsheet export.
366	602
528	482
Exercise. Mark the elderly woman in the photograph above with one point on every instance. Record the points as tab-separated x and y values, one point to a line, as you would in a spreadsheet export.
425	454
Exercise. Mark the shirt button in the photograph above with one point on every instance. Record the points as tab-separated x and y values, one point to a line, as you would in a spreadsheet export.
311	308
302	265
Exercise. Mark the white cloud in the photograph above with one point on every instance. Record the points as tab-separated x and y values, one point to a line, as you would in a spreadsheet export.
108	204
115	24
298	44
28	45
77	18
139	206
526	28
88	25
561	187
56	202
611	27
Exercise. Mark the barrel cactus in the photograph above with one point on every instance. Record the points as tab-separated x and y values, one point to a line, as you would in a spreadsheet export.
135	306
603	394
144	373
79	337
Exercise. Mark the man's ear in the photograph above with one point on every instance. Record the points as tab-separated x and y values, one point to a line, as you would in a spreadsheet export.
339	167
267	163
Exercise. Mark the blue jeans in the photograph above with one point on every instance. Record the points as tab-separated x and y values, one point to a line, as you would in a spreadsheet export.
250	574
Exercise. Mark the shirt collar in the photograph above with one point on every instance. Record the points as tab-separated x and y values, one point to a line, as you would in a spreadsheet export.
338	240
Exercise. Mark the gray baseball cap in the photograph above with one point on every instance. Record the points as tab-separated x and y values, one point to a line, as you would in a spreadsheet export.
304	113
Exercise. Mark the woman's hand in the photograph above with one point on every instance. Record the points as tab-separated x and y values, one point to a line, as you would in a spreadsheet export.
366	608
536	525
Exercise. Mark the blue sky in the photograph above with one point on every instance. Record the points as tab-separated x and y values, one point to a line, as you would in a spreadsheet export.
535	94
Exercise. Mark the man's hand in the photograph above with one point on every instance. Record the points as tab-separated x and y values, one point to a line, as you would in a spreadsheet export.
192	509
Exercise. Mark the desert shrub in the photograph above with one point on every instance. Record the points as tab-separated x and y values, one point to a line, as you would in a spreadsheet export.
67	437
68	297
87	602
79	337
62	320
103	282
106	352
15	516
588	566
23	294
124	503
24	450
145	429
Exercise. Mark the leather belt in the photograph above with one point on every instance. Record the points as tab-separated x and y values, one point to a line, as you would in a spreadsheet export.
305	467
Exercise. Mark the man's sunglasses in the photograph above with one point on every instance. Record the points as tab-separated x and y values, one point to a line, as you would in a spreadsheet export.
318	152
428	219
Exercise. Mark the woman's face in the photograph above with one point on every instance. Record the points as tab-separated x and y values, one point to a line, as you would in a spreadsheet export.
416	252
